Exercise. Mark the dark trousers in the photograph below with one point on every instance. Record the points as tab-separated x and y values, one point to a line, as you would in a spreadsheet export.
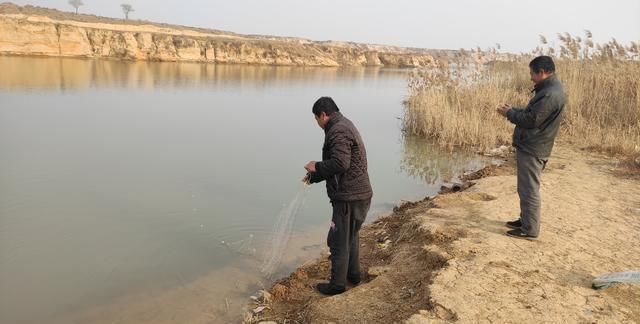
343	241
529	170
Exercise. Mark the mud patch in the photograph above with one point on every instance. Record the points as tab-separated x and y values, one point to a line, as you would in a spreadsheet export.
508	167
398	259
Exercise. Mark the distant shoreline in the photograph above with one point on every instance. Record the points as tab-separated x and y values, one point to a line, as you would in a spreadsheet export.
34	31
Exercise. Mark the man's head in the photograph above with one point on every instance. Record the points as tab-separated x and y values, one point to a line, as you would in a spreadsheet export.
323	109
540	68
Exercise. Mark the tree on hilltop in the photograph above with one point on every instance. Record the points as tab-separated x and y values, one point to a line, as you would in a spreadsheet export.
76	4
126	8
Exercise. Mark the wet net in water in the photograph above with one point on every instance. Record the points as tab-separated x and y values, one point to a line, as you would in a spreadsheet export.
243	247
281	233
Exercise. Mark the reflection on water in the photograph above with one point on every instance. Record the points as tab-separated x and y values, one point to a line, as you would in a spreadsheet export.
119	181
426	161
67	73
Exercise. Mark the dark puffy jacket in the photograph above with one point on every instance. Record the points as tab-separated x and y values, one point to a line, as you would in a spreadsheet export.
344	162
537	125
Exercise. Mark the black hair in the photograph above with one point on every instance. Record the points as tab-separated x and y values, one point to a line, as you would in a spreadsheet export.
326	105
542	63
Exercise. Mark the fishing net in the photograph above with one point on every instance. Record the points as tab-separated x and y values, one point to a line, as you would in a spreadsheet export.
281	234
243	247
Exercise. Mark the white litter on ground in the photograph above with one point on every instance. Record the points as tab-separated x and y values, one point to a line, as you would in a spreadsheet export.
610	279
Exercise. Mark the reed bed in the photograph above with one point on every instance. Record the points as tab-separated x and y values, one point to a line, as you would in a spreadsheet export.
455	103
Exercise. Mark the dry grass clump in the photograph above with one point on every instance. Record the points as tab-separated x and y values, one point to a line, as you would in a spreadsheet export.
455	103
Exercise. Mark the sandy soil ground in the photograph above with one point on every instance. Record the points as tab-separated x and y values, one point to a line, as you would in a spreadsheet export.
447	259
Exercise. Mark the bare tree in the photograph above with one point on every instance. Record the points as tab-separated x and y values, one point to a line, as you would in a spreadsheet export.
76	4
126	8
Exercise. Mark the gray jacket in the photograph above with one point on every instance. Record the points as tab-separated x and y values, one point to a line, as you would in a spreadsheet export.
344	162
537	124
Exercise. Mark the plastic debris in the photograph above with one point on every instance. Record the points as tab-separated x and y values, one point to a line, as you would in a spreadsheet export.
259	309
611	279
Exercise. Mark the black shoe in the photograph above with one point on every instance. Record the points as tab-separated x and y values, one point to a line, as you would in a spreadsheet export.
329	289
355	280
514	224
518	233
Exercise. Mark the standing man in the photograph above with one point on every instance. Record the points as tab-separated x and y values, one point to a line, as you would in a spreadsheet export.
536	129
344	169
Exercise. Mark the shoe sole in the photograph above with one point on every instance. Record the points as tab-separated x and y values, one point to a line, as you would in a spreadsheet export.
529	238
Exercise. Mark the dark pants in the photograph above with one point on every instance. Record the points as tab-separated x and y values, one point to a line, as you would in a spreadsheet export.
343	241
529	170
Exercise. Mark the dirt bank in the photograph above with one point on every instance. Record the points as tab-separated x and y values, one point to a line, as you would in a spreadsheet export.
447	259
47	32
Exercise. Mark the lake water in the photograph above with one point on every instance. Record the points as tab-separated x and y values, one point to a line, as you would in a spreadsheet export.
120	180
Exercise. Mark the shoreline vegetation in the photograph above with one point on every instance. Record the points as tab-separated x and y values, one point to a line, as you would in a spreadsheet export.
455	102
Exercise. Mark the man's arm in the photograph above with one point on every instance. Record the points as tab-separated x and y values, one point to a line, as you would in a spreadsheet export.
504	109
340	157
532	117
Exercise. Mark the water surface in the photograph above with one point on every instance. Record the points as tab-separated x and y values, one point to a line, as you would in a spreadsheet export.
119	180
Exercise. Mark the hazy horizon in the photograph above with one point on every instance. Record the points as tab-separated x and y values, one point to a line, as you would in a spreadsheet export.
453	25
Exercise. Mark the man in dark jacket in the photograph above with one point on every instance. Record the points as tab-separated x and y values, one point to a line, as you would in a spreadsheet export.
344	169
536	129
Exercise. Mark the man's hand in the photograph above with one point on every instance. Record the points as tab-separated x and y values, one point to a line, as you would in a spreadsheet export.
306	180
502	110
311	166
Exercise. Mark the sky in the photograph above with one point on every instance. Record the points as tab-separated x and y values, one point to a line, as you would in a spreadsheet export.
453	24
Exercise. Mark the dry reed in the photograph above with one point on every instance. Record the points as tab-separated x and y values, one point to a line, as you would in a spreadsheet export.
455	103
